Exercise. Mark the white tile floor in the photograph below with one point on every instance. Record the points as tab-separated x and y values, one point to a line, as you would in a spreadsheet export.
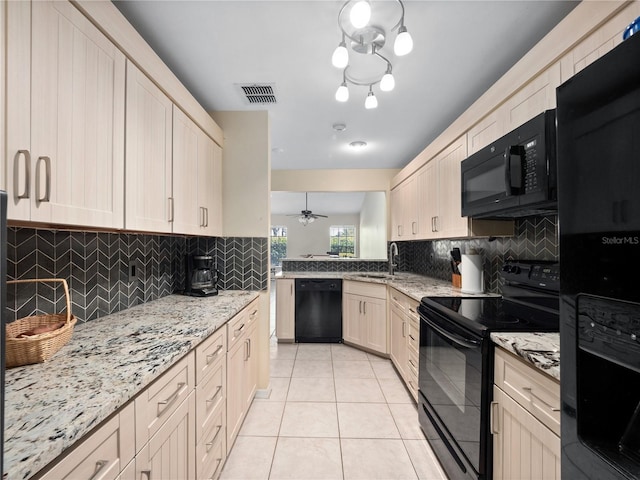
335	412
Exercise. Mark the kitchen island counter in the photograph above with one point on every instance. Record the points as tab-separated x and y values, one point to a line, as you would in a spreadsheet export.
542	350
50	406
411	284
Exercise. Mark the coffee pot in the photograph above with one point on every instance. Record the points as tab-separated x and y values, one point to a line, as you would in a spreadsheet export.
201	276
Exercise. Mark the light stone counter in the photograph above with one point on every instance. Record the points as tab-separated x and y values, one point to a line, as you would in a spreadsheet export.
49	406
411	284
542	350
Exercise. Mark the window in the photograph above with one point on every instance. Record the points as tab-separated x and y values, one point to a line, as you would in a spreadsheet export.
342	240
278	245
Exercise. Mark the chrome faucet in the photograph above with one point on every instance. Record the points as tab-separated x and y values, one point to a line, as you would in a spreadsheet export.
393	252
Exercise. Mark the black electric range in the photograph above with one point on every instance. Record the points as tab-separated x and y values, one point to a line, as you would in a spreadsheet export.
456	361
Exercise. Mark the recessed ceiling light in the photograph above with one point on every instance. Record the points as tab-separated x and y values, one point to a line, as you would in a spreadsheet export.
339	127
358	145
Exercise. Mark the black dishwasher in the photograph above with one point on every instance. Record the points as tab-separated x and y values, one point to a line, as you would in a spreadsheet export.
318	310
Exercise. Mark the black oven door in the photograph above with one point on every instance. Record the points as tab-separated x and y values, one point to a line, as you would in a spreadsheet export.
451	379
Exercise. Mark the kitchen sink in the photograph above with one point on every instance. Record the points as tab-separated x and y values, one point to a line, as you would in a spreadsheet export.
381	276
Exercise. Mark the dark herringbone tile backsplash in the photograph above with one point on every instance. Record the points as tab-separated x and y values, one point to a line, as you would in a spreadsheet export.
96	266
536	238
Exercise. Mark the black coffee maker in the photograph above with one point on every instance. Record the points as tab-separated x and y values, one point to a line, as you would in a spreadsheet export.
202	277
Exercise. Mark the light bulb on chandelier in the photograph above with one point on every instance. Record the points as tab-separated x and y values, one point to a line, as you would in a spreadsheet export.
365	30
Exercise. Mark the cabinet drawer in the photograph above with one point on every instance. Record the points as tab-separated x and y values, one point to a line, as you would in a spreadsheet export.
236	328
412	363
211	451
366	289
209	352
210	397
535	391
158	401
253	311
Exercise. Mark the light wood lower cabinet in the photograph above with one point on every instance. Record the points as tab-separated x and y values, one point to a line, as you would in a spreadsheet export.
242	368
170	452
524	421
405	337
285	310
364	311
103	454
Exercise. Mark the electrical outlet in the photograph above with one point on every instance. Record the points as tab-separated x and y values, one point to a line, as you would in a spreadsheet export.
134	270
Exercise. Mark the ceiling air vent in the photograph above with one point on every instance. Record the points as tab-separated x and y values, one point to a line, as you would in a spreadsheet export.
255	94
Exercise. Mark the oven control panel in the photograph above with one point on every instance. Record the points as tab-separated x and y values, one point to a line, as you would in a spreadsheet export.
543	275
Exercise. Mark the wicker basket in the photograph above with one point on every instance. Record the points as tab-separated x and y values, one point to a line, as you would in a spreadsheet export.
38	348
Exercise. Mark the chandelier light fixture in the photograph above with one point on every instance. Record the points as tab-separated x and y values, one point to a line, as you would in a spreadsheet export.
366	26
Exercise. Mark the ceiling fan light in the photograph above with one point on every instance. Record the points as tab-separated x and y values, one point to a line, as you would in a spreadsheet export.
340	57
387	83
371	101
360	14
342	94
404	43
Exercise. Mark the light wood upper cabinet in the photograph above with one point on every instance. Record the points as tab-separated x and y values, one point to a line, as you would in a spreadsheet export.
197	178
404	211
65	118
149	204
487	130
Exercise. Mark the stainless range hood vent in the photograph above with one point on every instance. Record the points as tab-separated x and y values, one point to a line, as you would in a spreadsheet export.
256	94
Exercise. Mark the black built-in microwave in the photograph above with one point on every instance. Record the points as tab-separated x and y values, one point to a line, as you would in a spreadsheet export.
515	176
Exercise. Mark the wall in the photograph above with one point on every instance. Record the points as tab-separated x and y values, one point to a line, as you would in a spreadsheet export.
343	180
314	238
373	226
95	264
536	238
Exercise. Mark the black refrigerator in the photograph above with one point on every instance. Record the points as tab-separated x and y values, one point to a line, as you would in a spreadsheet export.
3	313
598	135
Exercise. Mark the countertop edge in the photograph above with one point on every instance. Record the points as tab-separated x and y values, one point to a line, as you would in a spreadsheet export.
540	350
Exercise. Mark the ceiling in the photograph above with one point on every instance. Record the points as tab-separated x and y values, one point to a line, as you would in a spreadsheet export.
460	49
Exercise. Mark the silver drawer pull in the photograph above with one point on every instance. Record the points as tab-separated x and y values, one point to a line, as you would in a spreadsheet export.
412	364
253	314
174	396
213	440
146	473
100	464
47	183
555	409
411	337
236	332
213	397
493	419
404	325
214	354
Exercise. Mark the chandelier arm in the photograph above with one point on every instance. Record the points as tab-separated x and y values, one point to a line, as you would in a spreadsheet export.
389	66
401	22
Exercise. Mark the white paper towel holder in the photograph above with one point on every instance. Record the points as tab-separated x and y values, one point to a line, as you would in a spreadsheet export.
471	271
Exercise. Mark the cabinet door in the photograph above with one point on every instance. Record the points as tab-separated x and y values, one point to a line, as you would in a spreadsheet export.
77	120
103	454
251	366
487	130
410	208
235	390
170	453
449	221
428	199
523	447
352	327
149	203
285	309
398	340
396	214
209	185
374	312
189	216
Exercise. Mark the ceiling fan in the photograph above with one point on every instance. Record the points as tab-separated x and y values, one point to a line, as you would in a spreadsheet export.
306	216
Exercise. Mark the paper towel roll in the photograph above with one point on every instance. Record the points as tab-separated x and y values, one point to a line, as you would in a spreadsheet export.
472	278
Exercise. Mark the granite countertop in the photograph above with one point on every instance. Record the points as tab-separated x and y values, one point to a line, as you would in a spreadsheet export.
49	406
542	350
411	284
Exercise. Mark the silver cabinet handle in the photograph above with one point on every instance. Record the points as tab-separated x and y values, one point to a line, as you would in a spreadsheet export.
47	189
364	308
494	418
412	364
146	473
360	307
214	354
202	217
246	350
213	397
253	314
404	333
206	212
213	440
249	340
236	332
172	398
100	464
411	337
413	228
27	174
291	288
170	209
